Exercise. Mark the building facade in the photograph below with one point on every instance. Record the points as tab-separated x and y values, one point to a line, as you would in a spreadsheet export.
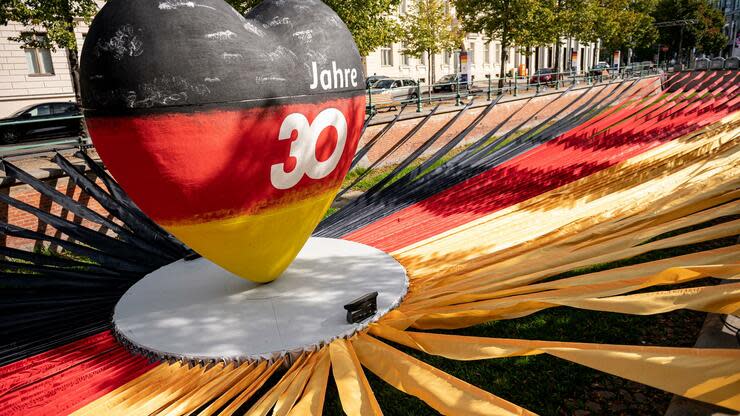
484	55
32	75
731	9
485	58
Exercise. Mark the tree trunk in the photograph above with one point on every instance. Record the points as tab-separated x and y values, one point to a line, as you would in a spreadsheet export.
433	65
569	51
430	80
74	70
558	57
504	57
73	59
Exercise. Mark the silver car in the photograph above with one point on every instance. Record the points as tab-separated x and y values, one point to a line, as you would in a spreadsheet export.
395	90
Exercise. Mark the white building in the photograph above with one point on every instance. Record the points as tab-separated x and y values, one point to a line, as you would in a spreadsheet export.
484	54
485	57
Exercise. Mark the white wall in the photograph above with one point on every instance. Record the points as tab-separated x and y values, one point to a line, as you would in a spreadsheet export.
539	58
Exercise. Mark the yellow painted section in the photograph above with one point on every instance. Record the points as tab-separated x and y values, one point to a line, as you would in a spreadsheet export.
257	247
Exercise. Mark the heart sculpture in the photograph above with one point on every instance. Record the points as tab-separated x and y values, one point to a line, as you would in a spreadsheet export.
232	132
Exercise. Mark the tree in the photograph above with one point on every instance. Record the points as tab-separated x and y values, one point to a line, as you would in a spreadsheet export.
572	19
429	29
514	22
540	29
625	24
705	34
371	22
56	20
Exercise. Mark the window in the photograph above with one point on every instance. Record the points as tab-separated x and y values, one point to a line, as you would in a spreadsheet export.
40	111
39	59
409	83
402	7
487	52
424	58
471	53
384	84
386	56
447	56
405	59
65	109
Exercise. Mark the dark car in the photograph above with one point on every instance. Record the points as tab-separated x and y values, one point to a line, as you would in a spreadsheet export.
449	83
41	121
544	76
600	69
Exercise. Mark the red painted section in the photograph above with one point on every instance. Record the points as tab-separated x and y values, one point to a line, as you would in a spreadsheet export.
64	379
585	150
206	165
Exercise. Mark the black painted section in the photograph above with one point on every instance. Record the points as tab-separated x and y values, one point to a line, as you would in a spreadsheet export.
165	54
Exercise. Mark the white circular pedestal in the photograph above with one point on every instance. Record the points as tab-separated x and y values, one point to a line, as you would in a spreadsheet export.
197	311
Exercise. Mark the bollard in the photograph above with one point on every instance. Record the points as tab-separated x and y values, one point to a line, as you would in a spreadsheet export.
418	97
515	84
370	99
457	92
489	88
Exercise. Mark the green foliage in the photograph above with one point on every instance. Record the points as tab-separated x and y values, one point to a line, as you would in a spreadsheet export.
371	22
574	19
524	23
625	23
56	19
706	34
429	29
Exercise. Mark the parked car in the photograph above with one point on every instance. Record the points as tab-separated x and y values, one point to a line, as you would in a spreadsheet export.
545	76
600	69
41	121
636	67
394	90
373	79
449	83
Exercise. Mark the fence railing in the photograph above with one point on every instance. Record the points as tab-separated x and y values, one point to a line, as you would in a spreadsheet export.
490	87
35	147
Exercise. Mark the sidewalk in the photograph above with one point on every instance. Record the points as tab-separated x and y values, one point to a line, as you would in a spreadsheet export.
43	167
714	334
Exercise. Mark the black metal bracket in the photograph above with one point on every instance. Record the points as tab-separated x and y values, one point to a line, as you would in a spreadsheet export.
362	308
